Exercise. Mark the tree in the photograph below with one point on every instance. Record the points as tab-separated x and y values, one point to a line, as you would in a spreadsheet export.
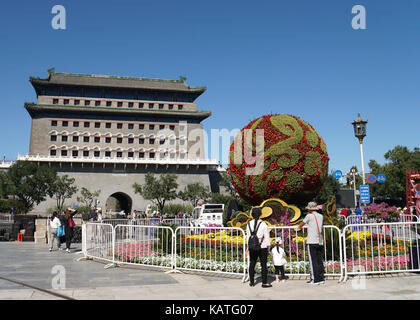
329	189
158	190
87	197
398	160
62	189
195	192
29	183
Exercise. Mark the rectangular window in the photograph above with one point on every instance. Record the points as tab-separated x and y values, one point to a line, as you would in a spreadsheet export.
130	140
119	140
66	101
53	123
160	105
141	126
151	105
161	127
65	123
107	140
151	126
119	125
180	107
75	139
53	153
141	141
76	124
108	154
87	124
172	127
130	104
97	139
86	153
130	154
130	126
87	102
119	154
85	139
170	107
141	105
97	103
55	101
75	153
151	155
64	153
108	103
119	104
108	125
141	155
151	141
64	138
76	102
53	138
97	124
96	154
162	141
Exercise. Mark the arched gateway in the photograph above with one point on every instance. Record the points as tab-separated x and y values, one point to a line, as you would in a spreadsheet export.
118	202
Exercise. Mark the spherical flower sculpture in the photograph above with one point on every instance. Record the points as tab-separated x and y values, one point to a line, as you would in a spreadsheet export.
278	156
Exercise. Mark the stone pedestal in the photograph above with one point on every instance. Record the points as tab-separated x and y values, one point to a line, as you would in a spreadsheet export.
41	231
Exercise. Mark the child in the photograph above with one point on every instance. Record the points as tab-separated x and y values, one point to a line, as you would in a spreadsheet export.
279	260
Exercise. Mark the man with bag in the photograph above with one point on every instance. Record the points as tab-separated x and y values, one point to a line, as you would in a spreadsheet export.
315	243
258	239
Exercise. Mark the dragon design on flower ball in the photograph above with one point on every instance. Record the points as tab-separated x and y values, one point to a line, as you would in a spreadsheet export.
295	165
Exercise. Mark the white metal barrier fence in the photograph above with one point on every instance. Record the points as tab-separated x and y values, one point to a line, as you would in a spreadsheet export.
374	248
144	245
210	249
381	248
294	244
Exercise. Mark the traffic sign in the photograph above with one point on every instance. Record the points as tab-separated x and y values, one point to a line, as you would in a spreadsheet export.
364	193
371	178
381	178
338	174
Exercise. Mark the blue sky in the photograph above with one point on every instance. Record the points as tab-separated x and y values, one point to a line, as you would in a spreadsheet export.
255	58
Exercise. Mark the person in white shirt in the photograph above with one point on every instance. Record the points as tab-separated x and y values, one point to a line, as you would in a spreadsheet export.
315	243
100	217
279	260
263	236
54	224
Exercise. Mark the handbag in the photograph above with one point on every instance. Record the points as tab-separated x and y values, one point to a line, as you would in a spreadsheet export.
71	223
60	231
321	237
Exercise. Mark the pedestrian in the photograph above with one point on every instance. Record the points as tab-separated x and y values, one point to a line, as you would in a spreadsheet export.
68	226
258	240
315	243
134	215
279	260
54	224
99	216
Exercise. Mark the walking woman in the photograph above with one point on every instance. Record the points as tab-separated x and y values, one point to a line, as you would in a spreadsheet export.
258	239
68	226
54	224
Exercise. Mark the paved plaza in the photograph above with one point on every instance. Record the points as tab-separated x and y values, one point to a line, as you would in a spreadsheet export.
32	264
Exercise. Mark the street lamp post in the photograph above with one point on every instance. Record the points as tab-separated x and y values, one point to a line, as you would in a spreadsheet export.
360	132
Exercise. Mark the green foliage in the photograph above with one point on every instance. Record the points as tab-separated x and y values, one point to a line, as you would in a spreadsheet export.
399	160
87	197
173	208
7	205
158	190
195	192
328	190
63	189
29	183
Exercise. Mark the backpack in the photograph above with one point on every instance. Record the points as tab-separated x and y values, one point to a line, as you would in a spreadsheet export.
253	242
